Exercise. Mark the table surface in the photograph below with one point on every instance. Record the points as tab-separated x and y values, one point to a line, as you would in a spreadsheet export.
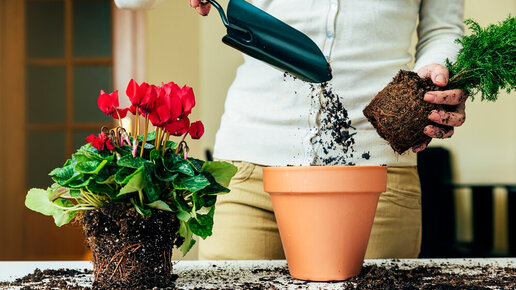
210	274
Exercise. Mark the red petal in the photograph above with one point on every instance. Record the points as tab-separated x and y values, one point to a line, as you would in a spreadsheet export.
196	130
109	145
150	99
178	127
187	99
132	89
121	112
91	138
114	98
105	102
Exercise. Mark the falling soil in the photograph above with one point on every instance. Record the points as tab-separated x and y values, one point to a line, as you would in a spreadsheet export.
128	249
387	275
332	141
399	113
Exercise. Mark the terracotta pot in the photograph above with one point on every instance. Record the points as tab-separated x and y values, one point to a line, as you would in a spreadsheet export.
325	215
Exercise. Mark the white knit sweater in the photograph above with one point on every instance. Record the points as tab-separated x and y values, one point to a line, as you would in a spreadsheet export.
267	118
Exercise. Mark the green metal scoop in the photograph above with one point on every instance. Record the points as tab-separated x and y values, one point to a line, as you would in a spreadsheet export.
264	37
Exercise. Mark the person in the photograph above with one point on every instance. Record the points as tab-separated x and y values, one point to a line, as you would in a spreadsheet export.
267	120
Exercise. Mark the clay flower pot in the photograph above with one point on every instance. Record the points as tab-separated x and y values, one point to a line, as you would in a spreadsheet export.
325	215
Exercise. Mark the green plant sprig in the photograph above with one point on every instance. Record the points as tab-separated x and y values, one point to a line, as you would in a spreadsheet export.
486	63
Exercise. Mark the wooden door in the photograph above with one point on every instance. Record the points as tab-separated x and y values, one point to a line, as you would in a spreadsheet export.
55	57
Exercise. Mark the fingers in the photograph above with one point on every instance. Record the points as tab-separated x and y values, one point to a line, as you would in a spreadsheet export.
419	147
449	97
438	73
437	132
200	7
453	119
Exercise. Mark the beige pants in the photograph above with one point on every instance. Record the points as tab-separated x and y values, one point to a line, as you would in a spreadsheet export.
245	227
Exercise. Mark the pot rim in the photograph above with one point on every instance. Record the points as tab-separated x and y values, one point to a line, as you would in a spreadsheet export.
325	167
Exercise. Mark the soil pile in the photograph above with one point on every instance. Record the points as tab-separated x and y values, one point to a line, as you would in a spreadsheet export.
128	249
399	113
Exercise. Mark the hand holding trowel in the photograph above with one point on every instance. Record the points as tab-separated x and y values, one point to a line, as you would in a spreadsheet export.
264	37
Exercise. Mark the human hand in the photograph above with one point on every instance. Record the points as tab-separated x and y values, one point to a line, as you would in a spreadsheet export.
440	76
202	8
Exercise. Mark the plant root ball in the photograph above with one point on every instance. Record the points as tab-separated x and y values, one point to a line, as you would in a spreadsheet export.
399	113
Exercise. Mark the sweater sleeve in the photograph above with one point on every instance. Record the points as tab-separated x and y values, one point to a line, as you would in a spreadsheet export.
137	4
440	24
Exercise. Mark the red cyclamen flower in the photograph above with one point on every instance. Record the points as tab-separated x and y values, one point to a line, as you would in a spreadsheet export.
185	94
100	142
196	130
168	108
108	103
136	92
179	127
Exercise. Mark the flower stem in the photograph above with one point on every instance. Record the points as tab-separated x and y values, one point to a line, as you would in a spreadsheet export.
180	145
136	117
165	143
158	131
145	130
119	119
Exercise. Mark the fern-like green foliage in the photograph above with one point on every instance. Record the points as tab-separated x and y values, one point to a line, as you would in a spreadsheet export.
486	63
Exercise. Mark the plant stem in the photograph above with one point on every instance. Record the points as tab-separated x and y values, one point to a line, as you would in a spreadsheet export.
145	134
165	143
136	117
140	195
119	119
180	145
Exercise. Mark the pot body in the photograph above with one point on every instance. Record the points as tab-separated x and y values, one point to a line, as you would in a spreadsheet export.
325	215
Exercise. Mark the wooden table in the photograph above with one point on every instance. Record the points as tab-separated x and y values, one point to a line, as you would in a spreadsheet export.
239	274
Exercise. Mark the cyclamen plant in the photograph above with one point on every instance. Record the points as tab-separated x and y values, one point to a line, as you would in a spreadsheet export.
148	172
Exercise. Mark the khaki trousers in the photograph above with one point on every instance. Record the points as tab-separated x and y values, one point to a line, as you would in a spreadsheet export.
245	227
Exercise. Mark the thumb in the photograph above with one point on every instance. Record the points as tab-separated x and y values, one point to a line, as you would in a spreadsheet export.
438	73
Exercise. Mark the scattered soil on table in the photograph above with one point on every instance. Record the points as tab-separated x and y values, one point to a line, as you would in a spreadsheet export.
399	113
389	275
128	249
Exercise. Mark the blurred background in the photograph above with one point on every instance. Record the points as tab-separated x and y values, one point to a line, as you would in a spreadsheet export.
57	54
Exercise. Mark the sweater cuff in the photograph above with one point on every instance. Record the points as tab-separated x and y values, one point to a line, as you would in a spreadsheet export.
137	4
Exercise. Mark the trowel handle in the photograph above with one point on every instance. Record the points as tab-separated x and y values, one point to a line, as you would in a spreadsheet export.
221	11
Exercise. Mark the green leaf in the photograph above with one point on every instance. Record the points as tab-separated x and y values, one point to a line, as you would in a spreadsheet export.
78	183
106	174
143	211
100	188
186	233
221	171
191	183
202	225
135	183
171	144
79	157
151	188
159	204
209	200
62	217
155	155
196	164
38	200
90	167
175	163
131	162
150	137
164	175
65	172
122	176
183	210
90	152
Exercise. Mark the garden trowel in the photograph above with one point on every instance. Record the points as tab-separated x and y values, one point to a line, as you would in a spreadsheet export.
264	37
